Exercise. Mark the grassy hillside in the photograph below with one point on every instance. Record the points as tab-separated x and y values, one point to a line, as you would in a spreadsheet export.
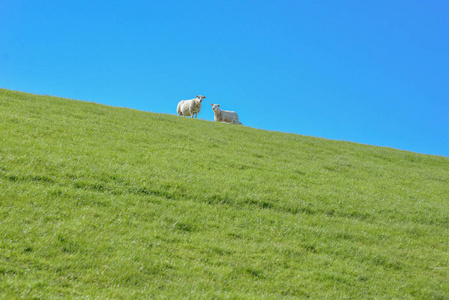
106	202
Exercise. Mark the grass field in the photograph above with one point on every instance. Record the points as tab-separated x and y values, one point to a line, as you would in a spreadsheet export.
106	202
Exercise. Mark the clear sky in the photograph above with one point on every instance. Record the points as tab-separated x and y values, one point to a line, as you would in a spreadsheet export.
371	72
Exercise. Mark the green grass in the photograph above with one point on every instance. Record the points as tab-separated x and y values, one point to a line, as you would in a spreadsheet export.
106	202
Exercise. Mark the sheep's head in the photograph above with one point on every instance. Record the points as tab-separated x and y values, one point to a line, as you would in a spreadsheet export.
215	107
199	97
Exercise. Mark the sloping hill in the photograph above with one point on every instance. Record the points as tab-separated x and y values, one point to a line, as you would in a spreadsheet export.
109	202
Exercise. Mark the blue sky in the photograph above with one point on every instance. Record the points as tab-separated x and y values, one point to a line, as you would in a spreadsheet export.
371	72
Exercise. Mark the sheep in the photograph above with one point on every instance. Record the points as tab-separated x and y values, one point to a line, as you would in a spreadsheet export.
225	116
190	107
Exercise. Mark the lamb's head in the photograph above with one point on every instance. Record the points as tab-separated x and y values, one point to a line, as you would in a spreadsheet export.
199	97
215	107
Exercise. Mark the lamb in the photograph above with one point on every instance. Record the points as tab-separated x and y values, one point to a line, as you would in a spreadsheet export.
225	116
190	107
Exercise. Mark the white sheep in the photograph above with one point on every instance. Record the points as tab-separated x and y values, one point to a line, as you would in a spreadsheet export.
225	116
190	107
